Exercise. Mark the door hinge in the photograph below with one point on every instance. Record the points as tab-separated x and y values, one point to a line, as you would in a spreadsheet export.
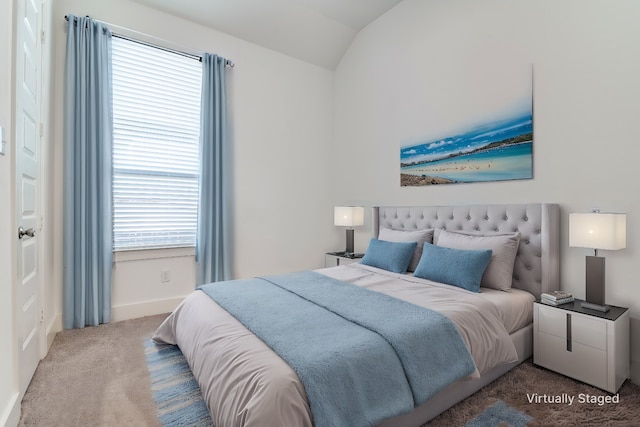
42	315
41	129
43	37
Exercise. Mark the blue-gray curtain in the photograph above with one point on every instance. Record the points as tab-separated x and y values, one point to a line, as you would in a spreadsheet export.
88	141
212	248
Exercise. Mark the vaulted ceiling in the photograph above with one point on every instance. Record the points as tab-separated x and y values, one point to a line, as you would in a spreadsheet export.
315	31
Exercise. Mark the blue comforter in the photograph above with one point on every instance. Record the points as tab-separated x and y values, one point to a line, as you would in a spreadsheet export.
362	356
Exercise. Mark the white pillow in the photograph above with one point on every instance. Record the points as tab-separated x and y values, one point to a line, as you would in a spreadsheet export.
504	247
418	236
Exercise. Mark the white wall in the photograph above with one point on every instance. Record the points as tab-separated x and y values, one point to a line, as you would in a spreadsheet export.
391	83
280	113
398	76
9	406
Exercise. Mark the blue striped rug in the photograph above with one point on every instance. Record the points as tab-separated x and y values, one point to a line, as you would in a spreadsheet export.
500	414
175	390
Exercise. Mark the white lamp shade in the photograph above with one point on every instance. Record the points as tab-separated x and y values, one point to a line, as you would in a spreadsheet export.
598	230
348	216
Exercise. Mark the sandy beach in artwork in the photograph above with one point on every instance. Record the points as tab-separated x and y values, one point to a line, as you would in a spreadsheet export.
416	180
459	167
492	165
456	166
436	172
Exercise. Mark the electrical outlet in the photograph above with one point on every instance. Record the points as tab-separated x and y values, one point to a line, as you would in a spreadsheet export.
165	276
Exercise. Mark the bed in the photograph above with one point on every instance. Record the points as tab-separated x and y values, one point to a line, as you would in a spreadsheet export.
245	383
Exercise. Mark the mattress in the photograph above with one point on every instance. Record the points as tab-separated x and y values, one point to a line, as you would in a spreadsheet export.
245	383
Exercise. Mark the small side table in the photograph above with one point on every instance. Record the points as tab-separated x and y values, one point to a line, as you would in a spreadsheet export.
588	345
332	259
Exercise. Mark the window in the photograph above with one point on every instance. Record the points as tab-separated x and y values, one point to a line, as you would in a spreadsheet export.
156	120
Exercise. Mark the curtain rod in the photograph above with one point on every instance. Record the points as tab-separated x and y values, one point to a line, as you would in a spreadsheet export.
228	62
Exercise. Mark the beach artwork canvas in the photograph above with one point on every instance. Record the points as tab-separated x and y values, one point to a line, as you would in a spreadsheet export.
499	149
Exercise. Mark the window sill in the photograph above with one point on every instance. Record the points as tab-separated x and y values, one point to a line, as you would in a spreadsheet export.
144	254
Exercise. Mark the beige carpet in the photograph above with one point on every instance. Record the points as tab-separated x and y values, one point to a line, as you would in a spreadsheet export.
98	376
527	378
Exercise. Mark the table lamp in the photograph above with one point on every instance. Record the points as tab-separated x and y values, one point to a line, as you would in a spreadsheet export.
596	231
348	216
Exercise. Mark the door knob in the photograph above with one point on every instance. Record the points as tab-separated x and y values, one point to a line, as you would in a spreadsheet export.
22	232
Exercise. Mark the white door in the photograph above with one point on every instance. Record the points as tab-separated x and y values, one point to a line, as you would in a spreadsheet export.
28	158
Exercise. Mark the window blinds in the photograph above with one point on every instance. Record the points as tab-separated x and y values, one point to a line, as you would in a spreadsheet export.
156	118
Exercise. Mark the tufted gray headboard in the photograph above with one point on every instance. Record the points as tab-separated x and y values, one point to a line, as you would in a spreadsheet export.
537	264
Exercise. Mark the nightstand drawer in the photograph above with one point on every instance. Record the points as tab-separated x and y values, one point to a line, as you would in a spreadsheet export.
552	322
583	363
582	329
589	331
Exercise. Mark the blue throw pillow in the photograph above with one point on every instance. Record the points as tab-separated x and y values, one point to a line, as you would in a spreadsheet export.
458	267
391	256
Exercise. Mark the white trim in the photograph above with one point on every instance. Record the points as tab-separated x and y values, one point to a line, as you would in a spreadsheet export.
142	254
53	328
148	308
11	415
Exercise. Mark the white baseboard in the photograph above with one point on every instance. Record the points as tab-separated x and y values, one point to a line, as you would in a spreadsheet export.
10	417
53	328
148	308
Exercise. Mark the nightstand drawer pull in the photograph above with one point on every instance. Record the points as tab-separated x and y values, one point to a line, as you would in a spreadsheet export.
568	332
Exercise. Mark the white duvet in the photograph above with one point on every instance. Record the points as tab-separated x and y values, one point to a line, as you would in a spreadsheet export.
245	383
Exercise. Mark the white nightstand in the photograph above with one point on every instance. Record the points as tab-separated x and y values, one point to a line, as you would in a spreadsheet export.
332	259
584	344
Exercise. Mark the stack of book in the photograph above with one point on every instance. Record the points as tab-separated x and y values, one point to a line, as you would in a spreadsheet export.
556	297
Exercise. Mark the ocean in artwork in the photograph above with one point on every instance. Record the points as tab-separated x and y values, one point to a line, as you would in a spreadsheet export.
497	151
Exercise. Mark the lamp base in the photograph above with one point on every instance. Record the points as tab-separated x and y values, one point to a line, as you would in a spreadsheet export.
595	285
597	307
349	248
595	280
